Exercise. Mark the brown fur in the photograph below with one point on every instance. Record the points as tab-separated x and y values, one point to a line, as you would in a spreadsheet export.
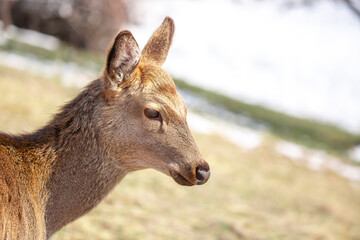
60	172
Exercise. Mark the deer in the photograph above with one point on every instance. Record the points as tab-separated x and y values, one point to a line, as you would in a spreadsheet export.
131	118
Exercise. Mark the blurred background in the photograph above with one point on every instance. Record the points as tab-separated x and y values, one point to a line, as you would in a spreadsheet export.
273	90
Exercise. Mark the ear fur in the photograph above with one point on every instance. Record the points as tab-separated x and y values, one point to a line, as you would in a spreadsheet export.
122	59
157	48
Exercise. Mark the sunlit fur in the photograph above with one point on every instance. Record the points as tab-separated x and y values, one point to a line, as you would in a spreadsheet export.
60	172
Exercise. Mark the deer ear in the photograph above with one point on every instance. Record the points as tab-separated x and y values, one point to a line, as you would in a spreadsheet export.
122	59
157	48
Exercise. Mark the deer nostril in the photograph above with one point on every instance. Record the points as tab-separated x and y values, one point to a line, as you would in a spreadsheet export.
202	174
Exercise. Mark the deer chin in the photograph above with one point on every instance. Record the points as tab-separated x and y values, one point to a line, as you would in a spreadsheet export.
180	179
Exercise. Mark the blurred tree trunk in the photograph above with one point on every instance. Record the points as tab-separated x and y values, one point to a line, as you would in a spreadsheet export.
84	23
5	12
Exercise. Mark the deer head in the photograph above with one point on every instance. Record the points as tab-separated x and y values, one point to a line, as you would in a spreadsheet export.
145	117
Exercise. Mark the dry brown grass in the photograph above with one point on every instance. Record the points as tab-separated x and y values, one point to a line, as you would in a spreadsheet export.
28	101
254	194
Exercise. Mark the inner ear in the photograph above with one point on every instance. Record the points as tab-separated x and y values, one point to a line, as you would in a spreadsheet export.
157	48
122	59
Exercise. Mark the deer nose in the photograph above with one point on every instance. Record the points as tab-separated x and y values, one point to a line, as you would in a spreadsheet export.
202	173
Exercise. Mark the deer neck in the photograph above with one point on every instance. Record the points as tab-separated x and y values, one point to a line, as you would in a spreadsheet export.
82	172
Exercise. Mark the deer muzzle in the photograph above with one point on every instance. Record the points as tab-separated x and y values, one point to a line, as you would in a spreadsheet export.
202	173
197	175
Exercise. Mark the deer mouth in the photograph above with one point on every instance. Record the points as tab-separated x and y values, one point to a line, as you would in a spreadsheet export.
180	179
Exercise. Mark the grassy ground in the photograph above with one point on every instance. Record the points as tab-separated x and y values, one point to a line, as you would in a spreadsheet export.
28	101
63	53
253	194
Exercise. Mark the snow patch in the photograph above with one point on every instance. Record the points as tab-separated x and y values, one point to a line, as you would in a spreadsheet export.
317	160
355	153
70	74
243	137
290	150
30	37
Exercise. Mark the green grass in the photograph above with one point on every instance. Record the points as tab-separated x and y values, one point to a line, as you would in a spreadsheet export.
63	53
305	131
252	194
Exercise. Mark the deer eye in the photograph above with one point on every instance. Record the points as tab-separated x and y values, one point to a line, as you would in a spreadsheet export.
152	114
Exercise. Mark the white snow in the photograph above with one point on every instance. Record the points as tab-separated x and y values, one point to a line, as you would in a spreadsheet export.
355	153
290	150
70	74
29	37
317	160
303	60
243	137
